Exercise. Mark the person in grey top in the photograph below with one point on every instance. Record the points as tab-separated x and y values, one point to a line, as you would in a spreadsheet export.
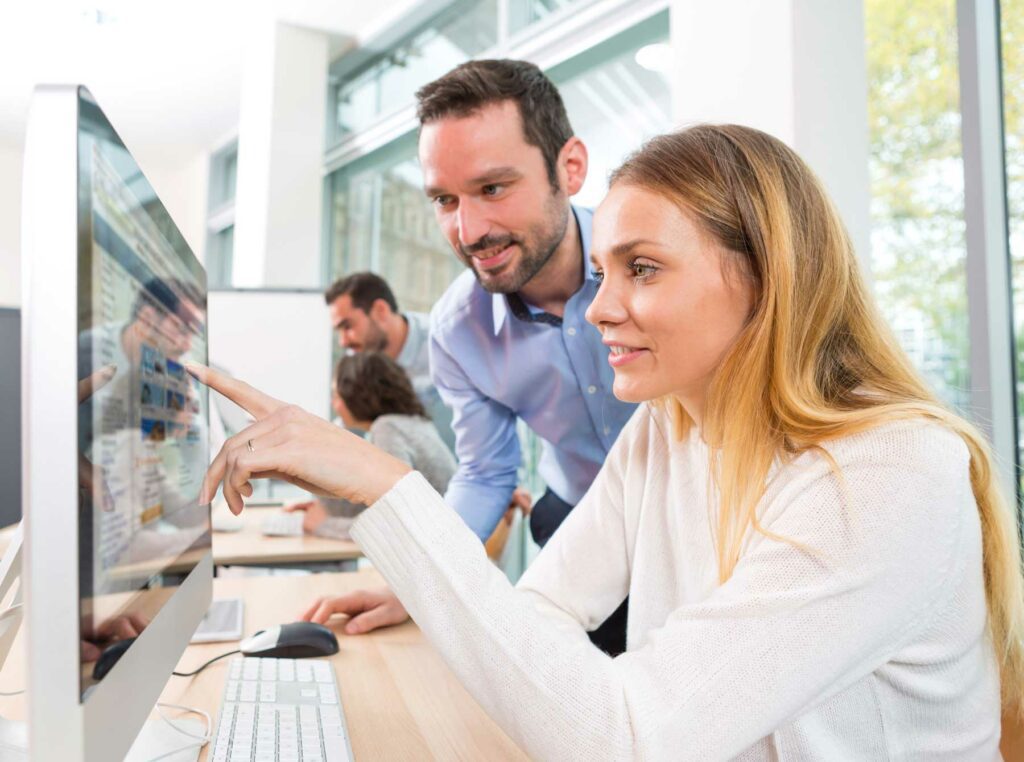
365	315
376	395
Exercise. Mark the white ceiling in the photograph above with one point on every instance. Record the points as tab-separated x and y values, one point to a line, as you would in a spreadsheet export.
168	74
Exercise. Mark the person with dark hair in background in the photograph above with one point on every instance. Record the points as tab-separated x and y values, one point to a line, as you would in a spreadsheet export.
375	395
365	315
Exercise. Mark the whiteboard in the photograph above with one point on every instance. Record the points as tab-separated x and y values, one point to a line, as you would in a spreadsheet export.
278	341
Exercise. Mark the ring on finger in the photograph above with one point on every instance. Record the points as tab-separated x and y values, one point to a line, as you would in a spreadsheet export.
249	445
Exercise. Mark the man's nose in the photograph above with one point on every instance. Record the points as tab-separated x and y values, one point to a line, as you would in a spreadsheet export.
473	223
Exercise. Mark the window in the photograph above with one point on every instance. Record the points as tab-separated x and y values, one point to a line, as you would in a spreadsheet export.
918	248
617	95
1012	33
381	221
220	218
390	81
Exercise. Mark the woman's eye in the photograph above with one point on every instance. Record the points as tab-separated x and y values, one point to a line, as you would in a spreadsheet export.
597	275
642	271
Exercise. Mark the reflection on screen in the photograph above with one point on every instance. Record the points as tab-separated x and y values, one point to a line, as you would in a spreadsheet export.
143	421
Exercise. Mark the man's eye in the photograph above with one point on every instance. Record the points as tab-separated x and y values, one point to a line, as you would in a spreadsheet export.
442	200
492	190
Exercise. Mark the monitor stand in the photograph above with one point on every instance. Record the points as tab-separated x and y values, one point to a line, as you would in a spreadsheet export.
156	737
13	734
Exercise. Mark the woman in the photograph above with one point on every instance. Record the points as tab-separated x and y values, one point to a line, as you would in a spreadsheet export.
372	393
818	561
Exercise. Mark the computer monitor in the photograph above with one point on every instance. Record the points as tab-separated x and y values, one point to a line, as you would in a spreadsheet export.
114	434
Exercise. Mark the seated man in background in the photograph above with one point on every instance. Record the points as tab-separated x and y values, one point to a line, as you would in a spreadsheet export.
365	314
372	393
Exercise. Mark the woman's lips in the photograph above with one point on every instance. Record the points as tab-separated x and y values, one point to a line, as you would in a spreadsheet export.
620	358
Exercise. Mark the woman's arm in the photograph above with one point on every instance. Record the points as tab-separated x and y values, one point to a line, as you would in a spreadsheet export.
794	625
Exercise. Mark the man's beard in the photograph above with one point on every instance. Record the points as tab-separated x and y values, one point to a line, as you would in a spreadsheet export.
376	338
536	250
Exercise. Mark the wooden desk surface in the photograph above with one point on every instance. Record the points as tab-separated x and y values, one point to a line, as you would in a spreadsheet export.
249	547
401	701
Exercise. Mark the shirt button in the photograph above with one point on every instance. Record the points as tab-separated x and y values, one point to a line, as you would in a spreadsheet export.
592	389
571	331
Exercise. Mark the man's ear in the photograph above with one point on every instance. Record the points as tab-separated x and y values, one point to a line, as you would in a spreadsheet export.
380	310
572	165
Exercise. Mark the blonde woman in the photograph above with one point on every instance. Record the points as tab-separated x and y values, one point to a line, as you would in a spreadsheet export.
818	561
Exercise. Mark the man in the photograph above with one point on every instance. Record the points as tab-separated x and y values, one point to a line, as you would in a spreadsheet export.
509	339
365	315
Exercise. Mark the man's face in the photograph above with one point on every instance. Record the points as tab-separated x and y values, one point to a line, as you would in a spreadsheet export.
357	331
171	333
492	196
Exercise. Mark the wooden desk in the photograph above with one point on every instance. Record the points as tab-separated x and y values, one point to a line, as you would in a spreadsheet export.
401	701
249	546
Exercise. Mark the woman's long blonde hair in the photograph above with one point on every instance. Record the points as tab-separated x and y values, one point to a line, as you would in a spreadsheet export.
815	360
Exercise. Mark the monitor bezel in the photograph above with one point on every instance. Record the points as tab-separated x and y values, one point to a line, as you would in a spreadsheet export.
63	725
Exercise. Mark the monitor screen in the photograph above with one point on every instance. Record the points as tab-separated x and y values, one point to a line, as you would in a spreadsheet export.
10	416
143	421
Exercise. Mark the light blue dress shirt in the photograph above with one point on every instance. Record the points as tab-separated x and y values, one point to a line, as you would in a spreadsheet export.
414	358
492	361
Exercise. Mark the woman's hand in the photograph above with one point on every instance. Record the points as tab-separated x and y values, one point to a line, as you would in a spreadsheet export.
290	444
367	610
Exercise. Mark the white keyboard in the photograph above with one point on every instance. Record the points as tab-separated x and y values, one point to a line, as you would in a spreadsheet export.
283	524
281	710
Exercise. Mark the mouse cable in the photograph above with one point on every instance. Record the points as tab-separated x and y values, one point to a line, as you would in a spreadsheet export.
211	661
200	740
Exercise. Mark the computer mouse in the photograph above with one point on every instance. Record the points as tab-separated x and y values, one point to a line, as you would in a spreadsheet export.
109	657
294	641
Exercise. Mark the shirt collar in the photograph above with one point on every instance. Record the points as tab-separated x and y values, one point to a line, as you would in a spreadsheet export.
413	341
584	223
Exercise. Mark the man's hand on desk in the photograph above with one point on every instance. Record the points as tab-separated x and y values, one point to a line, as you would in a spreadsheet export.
315	512
521	501
368	610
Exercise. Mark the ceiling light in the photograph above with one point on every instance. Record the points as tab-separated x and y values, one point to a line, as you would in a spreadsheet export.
656	57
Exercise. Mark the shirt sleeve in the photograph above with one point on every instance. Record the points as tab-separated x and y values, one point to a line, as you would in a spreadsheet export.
389	437
486	445
865	561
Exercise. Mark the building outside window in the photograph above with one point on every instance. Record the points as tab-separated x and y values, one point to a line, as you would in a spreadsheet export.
918	246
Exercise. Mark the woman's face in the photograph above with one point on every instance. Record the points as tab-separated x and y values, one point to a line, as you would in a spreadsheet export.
671	302
341	409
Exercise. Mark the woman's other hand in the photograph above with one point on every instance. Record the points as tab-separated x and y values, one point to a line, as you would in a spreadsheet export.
367	610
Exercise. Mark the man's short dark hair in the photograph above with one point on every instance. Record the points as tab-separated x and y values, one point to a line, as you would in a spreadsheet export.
470	86
363	289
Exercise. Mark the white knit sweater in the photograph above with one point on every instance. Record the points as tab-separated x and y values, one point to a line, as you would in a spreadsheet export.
869	643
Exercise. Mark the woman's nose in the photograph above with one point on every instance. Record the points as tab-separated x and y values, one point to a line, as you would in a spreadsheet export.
607	306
